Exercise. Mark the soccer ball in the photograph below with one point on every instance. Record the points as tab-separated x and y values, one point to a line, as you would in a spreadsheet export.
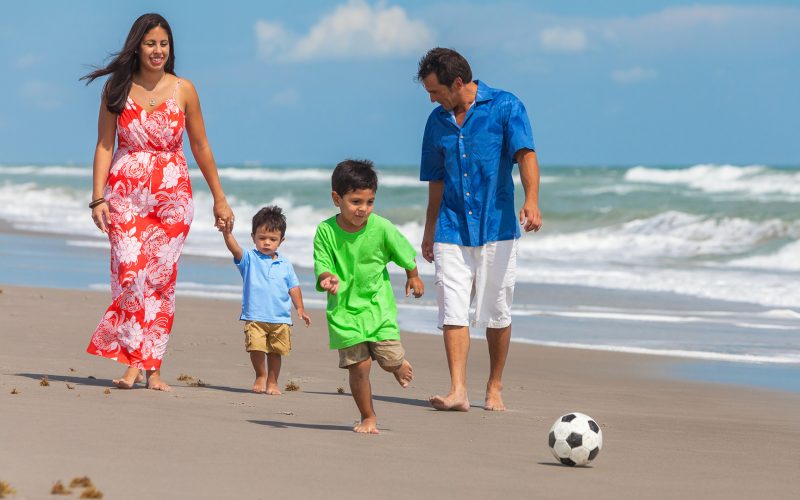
575	439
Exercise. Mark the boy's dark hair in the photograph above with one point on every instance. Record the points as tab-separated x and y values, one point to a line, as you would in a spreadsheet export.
352	175
272	218
447	64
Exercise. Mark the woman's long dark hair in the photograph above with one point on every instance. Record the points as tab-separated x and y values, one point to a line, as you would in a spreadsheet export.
126	62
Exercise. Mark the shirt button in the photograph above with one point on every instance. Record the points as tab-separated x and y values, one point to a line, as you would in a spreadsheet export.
470	212
460	136
467	193
466	175
464	156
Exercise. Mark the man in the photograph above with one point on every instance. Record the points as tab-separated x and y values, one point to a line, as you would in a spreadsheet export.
470	145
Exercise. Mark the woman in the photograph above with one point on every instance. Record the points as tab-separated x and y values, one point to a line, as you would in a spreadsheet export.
142	197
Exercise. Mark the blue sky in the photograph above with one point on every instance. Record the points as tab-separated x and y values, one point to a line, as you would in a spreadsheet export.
312	82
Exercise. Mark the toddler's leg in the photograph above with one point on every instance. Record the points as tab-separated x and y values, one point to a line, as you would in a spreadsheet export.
362	393
273	370
258	358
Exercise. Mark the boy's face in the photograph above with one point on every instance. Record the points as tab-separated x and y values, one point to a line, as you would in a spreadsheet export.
355	207
266	241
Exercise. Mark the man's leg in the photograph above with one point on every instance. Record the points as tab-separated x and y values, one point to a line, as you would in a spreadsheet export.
498	340
456	344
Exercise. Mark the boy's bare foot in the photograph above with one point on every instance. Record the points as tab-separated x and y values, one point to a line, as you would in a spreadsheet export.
494	399
451	402
272	390
260	385
155	383
404	374
368	425
128	379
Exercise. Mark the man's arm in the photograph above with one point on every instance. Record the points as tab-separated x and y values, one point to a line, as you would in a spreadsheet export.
435	192
529	174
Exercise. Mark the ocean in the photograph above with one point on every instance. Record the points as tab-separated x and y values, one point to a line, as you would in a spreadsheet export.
699	261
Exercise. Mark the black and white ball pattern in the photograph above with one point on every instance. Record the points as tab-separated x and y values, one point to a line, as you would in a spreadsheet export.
575	439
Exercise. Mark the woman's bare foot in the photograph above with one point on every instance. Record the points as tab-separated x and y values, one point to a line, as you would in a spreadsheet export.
260	385
455	401
368	425
404	374
494	399
140	377
128	379
155	383
272	390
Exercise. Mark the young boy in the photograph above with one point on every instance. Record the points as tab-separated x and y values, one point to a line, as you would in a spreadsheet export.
351	251
270	284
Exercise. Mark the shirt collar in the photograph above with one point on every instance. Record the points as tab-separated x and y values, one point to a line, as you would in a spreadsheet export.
485	93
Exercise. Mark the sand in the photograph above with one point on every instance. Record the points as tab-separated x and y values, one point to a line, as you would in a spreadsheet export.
664	438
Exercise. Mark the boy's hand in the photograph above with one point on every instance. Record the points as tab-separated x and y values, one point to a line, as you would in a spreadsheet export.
305	317
330	283
416	285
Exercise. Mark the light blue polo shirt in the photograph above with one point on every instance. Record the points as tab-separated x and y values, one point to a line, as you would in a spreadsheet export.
475	162
265	293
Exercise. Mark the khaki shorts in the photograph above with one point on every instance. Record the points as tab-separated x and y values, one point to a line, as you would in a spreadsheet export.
388	353
268	337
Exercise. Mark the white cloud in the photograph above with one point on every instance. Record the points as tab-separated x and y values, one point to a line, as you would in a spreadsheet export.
559	39
354	30
41	95
632	75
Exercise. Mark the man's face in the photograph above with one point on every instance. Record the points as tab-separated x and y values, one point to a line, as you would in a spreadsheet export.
446	96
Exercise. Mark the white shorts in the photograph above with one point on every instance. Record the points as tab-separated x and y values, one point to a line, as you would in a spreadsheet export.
475	285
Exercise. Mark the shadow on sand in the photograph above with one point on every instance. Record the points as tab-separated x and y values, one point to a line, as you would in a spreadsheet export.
286	425
377	397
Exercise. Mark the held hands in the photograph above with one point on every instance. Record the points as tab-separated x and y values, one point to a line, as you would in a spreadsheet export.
223	216
415	284
330	283
530	219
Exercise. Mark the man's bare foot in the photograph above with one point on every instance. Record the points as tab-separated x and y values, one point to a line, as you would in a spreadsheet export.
260	385
155	383
451	402
404	374
368	425
128	379
494	400
272	390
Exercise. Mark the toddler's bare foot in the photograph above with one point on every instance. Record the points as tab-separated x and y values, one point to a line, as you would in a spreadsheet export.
272	390
451	402
494	399
368	425
128	379
260	385
404	374
155	383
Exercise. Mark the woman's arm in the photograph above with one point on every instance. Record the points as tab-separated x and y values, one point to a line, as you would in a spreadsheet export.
103	153
201	150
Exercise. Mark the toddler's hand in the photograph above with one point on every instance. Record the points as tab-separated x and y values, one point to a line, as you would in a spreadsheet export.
331	284
305	317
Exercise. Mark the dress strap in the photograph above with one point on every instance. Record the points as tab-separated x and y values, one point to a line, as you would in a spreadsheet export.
175	91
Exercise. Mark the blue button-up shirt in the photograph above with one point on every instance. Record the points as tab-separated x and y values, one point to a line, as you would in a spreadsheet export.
475	163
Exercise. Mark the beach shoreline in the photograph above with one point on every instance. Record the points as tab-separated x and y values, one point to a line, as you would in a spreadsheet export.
663	437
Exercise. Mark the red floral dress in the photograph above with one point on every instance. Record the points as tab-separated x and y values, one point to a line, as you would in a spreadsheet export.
150	199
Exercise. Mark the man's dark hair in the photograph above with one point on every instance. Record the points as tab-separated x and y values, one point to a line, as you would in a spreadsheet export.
447	64
270	217
352	175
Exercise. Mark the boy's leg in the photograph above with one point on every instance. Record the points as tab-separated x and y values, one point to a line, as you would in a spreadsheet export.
258	358
391	357
361	389
273	370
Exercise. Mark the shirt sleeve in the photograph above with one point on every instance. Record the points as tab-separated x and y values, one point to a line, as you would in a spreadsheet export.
243	263
400	250
432	162
518	133
291	277
323	258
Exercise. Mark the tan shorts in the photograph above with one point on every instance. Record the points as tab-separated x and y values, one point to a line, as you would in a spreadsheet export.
388	353
268	337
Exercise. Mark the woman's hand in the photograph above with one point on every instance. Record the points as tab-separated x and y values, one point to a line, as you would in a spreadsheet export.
101	216
223	215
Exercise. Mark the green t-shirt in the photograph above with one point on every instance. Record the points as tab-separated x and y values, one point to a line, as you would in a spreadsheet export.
363	309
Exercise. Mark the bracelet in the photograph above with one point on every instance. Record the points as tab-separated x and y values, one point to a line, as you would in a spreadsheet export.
98	201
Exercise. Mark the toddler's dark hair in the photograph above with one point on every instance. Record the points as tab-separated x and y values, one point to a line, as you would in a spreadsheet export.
272	218
352	175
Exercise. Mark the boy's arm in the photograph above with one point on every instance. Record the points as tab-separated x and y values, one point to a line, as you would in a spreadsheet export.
231	243
297	300
414	283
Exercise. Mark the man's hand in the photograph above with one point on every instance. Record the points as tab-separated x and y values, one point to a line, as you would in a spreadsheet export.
330	283
427	249
530	218
416	285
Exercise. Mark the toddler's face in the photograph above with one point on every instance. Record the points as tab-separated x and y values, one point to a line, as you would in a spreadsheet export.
266	241
355	207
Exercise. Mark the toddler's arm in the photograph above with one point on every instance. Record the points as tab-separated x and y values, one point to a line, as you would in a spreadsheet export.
297	300
230	240
414	283
329	282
